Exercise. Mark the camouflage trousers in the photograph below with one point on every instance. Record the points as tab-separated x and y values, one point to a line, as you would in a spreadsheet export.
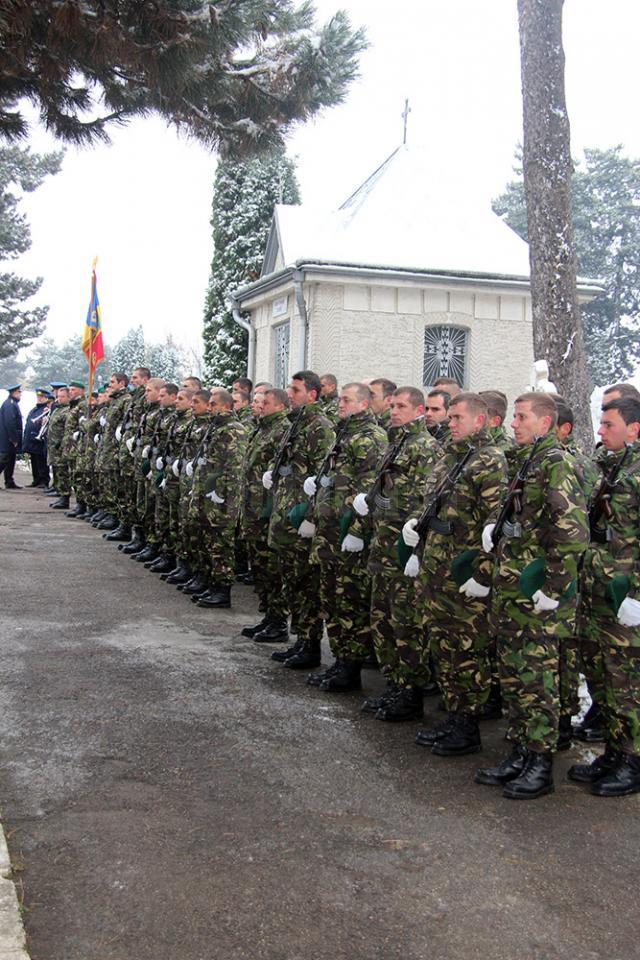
111	491
162	521
611	662
188	546
529	660
266	571
399	630
127	508
61	478
211	542
459	642
345	598
301	581
145	509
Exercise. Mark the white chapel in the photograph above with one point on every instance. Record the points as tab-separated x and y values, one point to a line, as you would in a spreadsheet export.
409	279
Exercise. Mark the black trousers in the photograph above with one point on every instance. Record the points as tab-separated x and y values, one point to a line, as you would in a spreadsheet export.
39	468
7	466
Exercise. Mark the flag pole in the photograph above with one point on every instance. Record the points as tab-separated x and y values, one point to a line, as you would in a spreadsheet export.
92	334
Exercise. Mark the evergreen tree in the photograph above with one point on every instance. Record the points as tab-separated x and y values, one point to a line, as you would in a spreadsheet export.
48	360
20	170
606	217
235	74
129	352
244	196
166	360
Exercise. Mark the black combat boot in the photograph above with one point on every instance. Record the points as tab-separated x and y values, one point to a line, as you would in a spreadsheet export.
136	543
79	509
62	503
121	534
536	778
427	737
508	769
622	780
306	658
565	731
492	708
197	584
88	512
345	678
598	768
203	593
315	679
281	656
150	552
406	705
251	631
219	597
108	523
373	704
98	516
592	727
181	574
275	631
463	738
164	563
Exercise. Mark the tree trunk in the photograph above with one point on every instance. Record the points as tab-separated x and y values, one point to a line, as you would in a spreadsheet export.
557	328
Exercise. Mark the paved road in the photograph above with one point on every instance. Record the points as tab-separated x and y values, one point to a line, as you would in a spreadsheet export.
169	793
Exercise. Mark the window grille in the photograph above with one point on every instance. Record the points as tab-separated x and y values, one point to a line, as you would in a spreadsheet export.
445	354
281	364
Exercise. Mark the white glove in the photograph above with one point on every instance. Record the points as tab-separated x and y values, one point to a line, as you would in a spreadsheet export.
412	566
629	613
175	468
487	542
80	420
267	479
163	484
306	529
119	433
213	496
145	452
76	434
471	588
129	445
189	470
409	535
360	505
103	421
96	438
542	603
352	544
159	463
309	486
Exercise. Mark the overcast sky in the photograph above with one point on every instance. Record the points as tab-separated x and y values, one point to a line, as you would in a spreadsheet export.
143	204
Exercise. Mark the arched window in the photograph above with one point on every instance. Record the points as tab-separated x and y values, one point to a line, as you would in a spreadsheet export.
445	354
281	360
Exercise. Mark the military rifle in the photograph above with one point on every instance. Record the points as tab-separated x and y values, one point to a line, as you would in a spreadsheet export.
387	462
298	513
285	444
513	500
600	504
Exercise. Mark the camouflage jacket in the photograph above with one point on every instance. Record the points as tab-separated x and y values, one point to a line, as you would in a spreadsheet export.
329	407
477	495
501	439
553	521
77	409
402	493
384	420
587	468
176	437
261	450
132	413
311	441
113	414
88	447
352	468
619	556
145	449
246	418
440	432
55	432
192	449
219	471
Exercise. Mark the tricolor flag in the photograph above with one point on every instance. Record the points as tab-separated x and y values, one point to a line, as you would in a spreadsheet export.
92	344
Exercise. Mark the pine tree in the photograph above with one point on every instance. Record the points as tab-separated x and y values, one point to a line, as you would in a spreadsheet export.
166	360
235	74
48	360
129	352
244	196
606	217
20	170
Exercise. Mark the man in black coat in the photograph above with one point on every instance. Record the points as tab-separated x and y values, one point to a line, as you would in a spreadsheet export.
10	435
34	441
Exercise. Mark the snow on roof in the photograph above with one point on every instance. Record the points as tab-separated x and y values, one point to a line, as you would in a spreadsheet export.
417	211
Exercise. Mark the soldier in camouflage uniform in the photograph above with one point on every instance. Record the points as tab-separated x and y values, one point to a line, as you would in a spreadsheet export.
609	619
262	447
345	587
89	428
397	620
381	393
538	554
55	436
496	402
95	493
107	458
436	407
188	577
329	397
167	397
312	437
216	497
145	451
455	574
168	495
126	435
77	409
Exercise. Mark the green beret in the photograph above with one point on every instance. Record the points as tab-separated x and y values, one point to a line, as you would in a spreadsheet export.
77	383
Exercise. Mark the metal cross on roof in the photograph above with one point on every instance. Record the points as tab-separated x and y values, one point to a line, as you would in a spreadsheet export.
405	115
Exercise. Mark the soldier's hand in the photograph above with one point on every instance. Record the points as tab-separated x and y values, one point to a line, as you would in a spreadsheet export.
360	505
119	433
145	452
76	434
96	438
189	470
542	603
487	537
175	468
103	421
471	588
159	463
629	613
267	479
352	544
409	535
213	496
129	445
309	486
306	529
412	566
